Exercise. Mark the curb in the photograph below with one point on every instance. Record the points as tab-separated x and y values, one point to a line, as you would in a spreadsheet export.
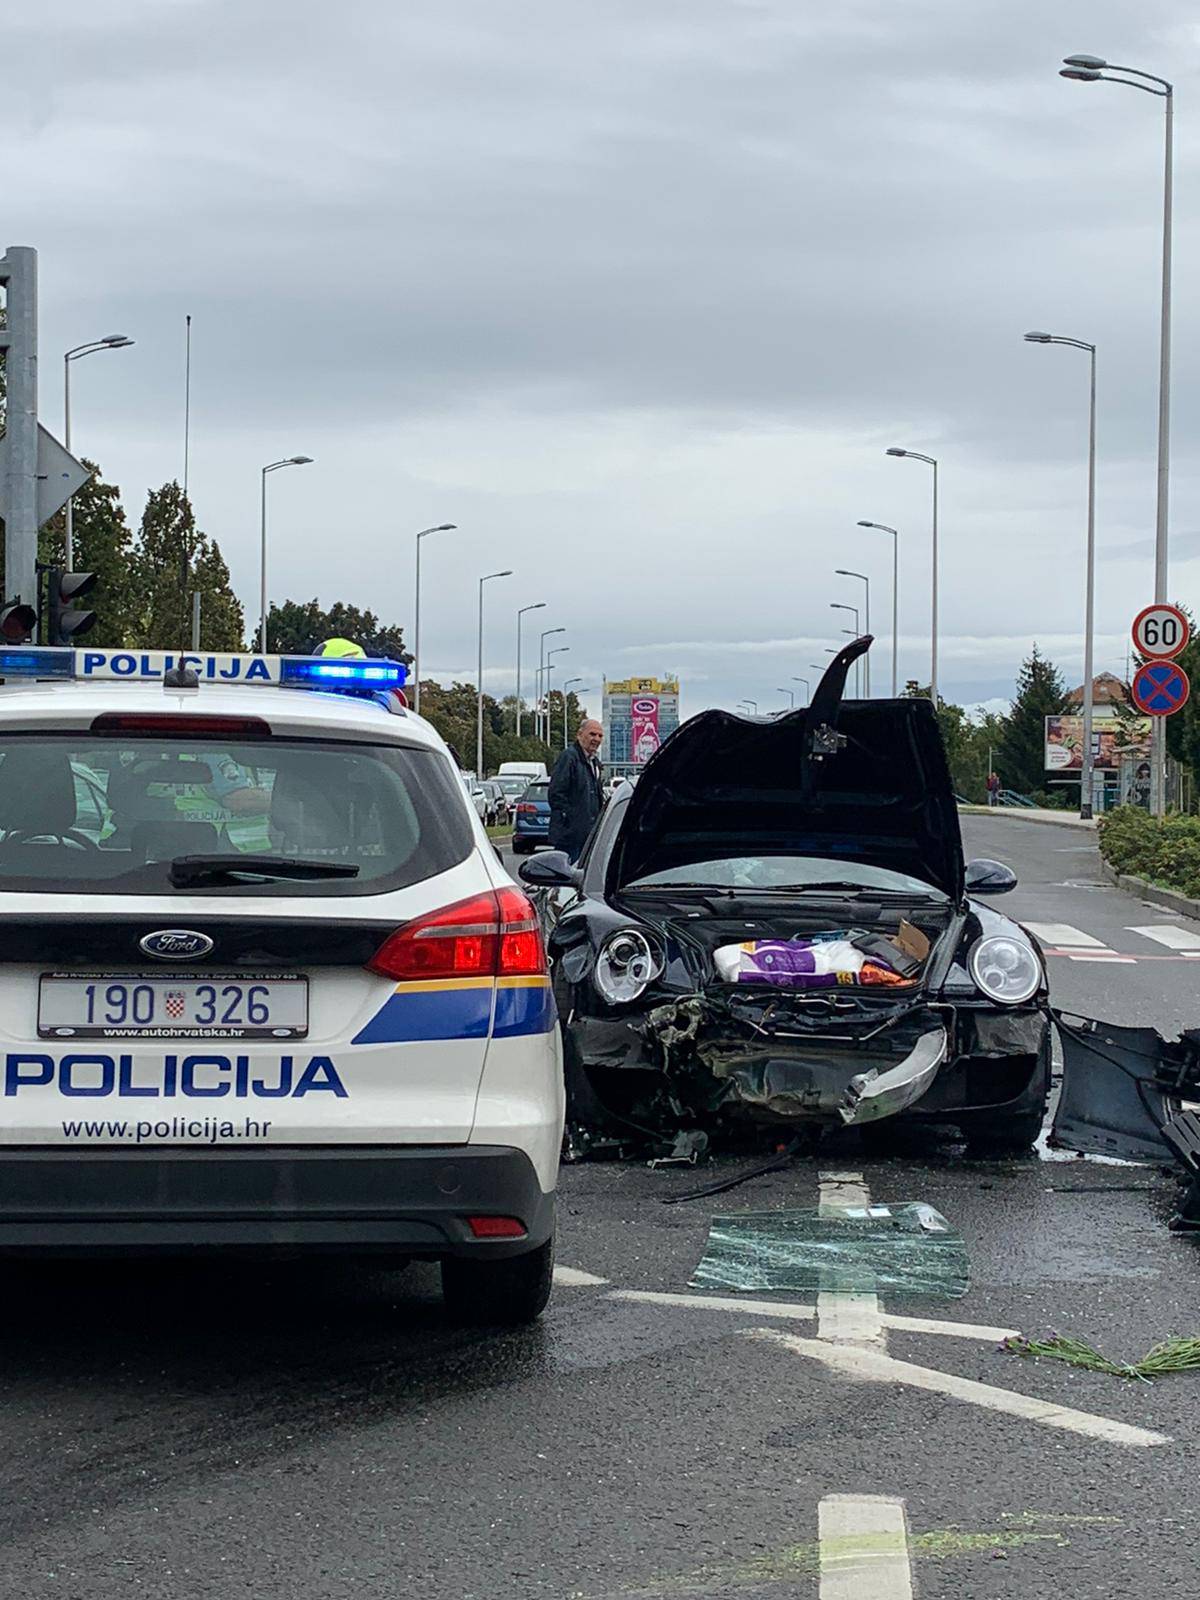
1143	889
1026	816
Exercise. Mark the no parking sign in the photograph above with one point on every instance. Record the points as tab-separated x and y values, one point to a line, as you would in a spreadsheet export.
1159	688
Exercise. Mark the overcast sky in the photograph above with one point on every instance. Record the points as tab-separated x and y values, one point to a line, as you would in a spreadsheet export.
636	293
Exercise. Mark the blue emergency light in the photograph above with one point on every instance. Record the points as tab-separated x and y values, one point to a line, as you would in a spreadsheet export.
358	676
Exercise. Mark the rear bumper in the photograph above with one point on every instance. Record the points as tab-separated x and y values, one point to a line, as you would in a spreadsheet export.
410	1201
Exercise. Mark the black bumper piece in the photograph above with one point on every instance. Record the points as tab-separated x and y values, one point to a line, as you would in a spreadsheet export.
410	1201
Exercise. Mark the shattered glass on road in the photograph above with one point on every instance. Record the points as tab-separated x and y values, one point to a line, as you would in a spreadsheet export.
905	1249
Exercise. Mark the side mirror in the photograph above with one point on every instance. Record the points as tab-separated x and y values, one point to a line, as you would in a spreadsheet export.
550	869
989	877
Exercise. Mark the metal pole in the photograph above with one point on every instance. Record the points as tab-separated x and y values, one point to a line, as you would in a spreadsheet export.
895	610
479	694
262	570
417	631
517	696
933	674
69	540
18	270
195	619
1085	792
1158	768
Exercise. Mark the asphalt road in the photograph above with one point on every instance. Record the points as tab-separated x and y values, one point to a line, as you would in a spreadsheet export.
194	1431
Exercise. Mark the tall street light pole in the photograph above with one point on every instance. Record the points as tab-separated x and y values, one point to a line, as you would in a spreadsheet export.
836	605
442	527
559	650
915	455
487	578
567	682
112	341
883	528
753	704
791	694
539	605
539	720
274	466
843	572
1085	776
807	690
1093	69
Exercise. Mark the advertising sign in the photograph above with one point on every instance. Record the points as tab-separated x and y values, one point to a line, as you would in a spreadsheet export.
1110	741
644	739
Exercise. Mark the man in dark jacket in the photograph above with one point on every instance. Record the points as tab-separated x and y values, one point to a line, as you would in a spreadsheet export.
575	791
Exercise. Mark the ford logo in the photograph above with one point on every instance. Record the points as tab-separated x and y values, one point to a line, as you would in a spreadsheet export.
175	944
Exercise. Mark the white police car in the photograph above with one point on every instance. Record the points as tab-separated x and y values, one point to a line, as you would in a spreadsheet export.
275	991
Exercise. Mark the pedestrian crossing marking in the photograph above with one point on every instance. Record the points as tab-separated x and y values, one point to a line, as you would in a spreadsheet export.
1175	938
1063	936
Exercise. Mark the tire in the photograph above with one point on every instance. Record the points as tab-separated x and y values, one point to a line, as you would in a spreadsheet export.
520	847
500	1294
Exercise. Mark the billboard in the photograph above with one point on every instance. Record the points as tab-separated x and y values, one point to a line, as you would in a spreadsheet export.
643	731
1110	741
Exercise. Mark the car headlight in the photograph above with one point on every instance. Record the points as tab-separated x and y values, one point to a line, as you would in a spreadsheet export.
625	965
1005	968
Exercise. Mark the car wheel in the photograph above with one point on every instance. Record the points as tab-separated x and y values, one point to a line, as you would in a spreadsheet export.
504	1293
519	847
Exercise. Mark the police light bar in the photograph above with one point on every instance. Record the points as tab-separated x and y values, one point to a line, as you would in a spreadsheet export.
148	666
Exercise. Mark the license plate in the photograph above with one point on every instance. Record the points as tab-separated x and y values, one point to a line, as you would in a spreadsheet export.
183	1006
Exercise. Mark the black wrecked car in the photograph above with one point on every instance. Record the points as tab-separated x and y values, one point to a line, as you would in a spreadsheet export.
777	926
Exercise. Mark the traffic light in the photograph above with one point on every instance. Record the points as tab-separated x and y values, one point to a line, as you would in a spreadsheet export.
17	622
66	622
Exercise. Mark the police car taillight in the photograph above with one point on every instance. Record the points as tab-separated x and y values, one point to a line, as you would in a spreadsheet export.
181	725
491	935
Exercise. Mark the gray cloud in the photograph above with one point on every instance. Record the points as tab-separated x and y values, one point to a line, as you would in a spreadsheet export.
636	294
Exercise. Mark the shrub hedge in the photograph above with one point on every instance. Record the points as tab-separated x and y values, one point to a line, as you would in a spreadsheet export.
1166	851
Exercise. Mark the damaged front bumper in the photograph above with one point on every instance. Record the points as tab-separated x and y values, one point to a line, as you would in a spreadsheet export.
874	1095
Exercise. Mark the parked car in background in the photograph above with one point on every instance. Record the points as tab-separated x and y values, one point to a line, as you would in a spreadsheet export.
497	803
531	820
475	795
514	786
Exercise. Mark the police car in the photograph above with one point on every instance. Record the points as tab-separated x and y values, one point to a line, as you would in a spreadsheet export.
274	990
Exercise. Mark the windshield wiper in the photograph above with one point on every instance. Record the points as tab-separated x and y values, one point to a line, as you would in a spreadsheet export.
185	871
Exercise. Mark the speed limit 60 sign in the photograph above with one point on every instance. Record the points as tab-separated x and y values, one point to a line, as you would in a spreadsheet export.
1160	631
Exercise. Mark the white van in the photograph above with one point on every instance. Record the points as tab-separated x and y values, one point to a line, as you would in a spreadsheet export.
530	770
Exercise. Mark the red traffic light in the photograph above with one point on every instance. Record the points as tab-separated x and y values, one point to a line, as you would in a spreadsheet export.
17	622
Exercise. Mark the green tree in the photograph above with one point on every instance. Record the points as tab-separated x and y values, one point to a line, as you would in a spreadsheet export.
298	627
103	545
172	558
1021	751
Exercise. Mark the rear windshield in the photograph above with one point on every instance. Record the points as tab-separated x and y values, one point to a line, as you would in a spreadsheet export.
81	812
536	791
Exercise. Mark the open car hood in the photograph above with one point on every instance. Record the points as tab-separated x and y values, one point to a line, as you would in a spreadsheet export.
861	780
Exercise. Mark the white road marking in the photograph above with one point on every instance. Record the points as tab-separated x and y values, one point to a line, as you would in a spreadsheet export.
717	1302
954	1330
846	1318
876	1366
1174	938
573	1278
1109	956
1063	935
864	1548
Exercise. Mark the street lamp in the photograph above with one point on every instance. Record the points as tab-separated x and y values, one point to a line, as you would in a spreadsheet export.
487	578
883	528
915	455
559	650
1085	785
442	527
753	704
1092	69
804	681
567	682
539	721
274	466
842	572
111	341
791	694
538	605
836	605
